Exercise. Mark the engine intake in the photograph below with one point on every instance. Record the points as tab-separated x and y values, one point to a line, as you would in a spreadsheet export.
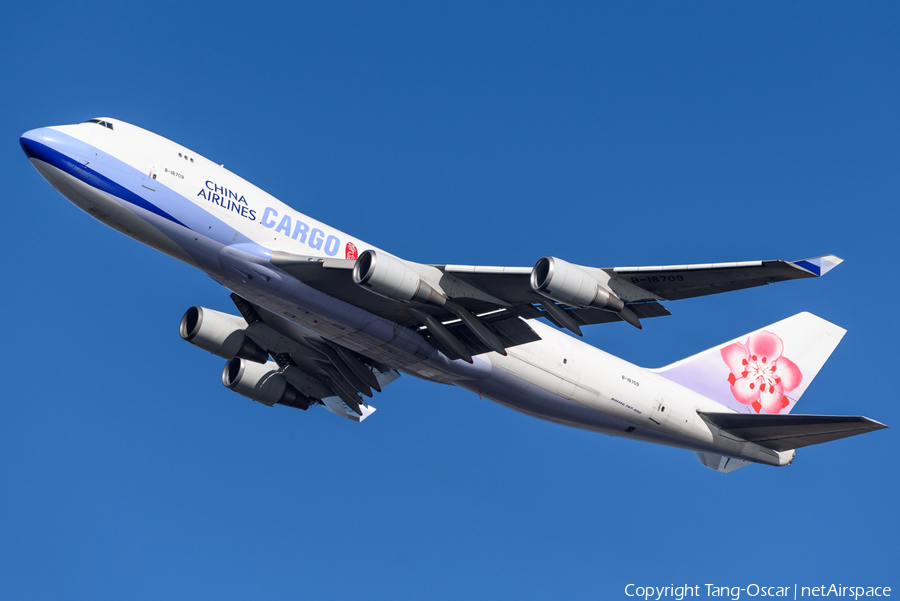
220	334
393	279
262	383
571	285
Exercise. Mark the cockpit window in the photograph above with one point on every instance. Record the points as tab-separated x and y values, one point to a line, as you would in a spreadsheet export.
105	124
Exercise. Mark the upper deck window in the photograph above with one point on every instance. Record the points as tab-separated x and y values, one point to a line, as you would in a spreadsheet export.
106	124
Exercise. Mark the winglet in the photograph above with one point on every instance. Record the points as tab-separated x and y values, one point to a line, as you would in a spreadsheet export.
819	265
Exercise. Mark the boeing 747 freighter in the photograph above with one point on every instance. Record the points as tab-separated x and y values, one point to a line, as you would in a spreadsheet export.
326	320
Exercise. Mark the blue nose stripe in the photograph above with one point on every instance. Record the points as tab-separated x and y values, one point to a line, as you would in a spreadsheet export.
36	141
42	152
31	148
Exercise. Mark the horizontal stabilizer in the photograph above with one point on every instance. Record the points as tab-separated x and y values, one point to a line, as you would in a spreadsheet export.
786	432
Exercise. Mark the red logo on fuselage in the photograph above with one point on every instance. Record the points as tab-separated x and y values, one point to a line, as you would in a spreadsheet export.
350	252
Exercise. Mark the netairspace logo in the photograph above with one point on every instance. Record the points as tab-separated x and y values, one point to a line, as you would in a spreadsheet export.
678	593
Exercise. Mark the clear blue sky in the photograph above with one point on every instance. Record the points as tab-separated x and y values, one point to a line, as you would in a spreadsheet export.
618	134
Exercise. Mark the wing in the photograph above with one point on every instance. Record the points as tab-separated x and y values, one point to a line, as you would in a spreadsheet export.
487	308
640	288
676	282
471	323
669	282
320	370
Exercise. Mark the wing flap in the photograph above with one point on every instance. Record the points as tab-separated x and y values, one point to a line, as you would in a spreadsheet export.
509	328
786	432
589	317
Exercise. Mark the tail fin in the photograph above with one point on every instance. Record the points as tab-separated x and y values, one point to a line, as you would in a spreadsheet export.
765	371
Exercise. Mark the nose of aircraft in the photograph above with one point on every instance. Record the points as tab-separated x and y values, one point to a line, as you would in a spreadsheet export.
35	143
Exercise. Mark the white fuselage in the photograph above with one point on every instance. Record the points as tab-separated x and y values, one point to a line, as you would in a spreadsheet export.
179	202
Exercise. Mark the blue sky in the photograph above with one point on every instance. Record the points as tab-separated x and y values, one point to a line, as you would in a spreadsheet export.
613	134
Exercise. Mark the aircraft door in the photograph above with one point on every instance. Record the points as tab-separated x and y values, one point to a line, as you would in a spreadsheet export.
148	178
659	412
569	371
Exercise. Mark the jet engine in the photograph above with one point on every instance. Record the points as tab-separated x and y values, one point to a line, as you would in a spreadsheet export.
393	279
571	285
220	334
262	383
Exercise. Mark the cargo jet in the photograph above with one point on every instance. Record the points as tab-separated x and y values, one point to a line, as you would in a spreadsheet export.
328	320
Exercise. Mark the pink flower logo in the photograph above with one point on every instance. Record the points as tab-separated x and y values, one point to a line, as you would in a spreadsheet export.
760	375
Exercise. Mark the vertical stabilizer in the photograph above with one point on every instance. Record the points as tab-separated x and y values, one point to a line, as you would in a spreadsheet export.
763	372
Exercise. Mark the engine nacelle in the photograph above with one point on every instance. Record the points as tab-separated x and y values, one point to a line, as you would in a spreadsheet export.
220	334
571	285
262	383
392	278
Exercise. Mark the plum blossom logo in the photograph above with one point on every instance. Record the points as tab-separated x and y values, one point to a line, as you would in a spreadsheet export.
760	374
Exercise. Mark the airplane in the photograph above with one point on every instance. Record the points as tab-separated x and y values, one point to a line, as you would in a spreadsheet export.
325	319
